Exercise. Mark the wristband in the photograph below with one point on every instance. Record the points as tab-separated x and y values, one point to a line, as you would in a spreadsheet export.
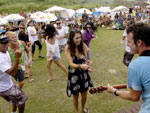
115	92
79	66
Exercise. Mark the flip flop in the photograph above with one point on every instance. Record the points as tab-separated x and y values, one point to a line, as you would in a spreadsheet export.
86	110
32	79
49	80
40	56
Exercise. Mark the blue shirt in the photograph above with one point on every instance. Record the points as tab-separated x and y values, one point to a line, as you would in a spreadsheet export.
139	80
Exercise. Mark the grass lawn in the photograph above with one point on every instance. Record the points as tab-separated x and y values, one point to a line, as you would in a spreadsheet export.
106	54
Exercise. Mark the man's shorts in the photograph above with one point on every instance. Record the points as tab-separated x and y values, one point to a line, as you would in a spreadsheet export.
19	75
14	95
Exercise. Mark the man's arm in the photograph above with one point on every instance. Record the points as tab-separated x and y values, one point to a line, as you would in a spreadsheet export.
12	71
132	94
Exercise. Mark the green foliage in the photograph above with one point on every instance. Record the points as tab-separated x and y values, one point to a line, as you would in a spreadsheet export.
2	3
14	6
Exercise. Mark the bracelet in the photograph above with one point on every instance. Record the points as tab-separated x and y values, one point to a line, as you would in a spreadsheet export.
115	92
79	66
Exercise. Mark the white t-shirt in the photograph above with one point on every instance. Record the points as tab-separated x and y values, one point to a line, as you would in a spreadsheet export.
127	48
61	32
32	30
5	79
143	20
54	48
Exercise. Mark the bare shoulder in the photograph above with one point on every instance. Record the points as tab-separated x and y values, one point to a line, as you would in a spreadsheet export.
67	47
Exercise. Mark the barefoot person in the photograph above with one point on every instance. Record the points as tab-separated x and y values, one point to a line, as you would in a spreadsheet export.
9	91
78	76
138	81
53	53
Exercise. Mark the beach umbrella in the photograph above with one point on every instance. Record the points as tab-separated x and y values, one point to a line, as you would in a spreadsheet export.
68	13
104	9
120	8
55	8
14	17
43	17
81	11
3	21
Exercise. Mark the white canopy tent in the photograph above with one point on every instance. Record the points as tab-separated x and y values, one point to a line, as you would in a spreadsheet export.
137	7
3	21
67	13
120	8
81	11
104	9
148	1
43	17
54	8
14	17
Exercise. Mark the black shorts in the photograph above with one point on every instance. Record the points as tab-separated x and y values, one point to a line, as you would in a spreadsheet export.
19	75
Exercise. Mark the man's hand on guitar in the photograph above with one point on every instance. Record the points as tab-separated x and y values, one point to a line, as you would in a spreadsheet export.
110	89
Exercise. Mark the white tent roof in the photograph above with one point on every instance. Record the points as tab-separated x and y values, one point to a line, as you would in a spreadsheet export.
148	1
54	8
3	21
43	17
81	11
68	13
120	8
14	17
104	9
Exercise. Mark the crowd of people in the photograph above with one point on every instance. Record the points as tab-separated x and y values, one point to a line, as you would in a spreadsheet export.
17	48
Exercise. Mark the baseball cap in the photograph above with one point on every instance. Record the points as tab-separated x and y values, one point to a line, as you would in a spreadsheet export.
3	39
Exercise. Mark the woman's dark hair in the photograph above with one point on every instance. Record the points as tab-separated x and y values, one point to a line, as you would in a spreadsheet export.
140	31
50	31
92	26
72	44
23	36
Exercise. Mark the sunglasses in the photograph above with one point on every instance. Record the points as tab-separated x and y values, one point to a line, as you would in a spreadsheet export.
58	23
21	27
88	27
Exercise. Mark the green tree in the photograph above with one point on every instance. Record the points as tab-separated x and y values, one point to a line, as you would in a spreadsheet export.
2	3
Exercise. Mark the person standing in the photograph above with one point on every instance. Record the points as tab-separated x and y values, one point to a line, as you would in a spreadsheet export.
62	34
8	90
22	36
88	35
14	44
127	57
138	80
33	38
78	77
85	19
53	53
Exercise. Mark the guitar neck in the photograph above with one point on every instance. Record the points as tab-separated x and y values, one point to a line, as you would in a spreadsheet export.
102	88
122	86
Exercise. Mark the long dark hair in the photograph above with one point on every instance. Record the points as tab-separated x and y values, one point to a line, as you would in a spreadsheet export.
71	42
50	31
92	26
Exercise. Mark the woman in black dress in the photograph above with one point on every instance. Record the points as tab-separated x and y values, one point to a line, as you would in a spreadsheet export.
78	76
